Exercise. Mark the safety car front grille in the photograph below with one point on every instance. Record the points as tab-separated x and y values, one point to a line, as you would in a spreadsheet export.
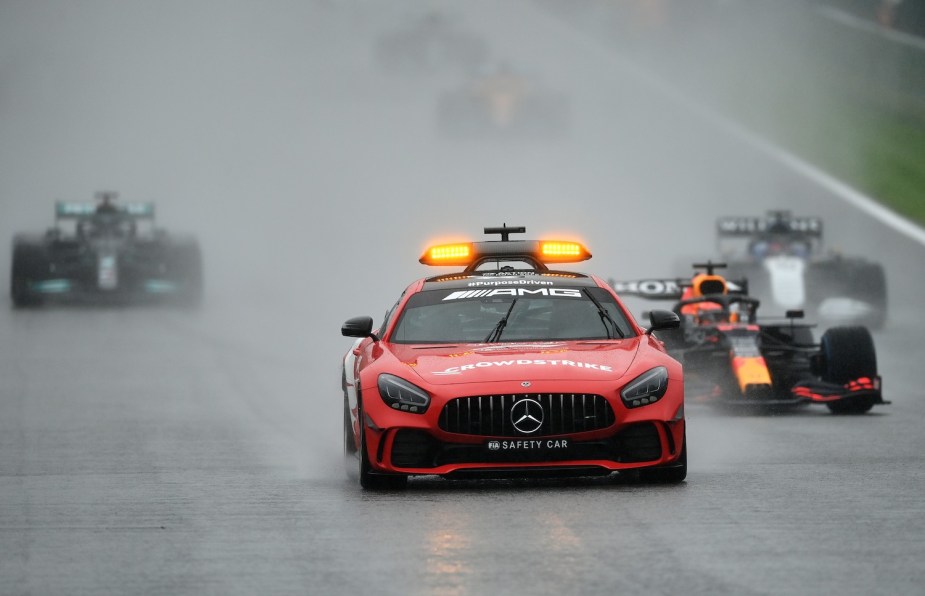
561	414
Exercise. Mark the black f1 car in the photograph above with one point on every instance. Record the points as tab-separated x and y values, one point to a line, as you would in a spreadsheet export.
786	264
105	251
504	103
731	358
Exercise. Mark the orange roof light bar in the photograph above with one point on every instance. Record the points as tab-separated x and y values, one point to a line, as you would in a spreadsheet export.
471	254
448	254
556	251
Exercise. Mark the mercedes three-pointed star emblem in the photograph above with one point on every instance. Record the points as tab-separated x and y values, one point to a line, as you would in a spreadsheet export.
527	416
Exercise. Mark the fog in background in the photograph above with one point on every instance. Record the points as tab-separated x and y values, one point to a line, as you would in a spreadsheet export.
314	178
161	450
268	130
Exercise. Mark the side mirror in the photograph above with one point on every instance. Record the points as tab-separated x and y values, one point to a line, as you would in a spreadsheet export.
357	327
663	319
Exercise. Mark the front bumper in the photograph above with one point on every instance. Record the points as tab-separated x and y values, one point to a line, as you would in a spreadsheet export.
620	447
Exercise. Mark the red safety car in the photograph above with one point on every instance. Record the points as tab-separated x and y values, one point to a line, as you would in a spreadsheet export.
509	368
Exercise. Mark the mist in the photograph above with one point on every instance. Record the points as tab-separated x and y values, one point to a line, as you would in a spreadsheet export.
314	178
189	450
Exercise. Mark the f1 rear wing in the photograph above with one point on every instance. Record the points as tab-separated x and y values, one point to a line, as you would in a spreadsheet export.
75	210
668	289
776	222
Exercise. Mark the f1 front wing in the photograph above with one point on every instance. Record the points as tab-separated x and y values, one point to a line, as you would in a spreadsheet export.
825	392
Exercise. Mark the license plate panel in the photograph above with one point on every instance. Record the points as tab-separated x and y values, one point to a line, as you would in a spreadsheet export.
527	445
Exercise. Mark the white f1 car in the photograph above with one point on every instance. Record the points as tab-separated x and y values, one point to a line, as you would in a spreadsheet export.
787	267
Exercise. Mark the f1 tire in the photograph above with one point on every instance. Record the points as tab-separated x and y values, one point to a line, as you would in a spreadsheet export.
670	474
847	354
28	263
863	281
370	480
872	282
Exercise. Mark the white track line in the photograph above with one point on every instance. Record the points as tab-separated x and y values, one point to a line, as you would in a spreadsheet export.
837	187
849	20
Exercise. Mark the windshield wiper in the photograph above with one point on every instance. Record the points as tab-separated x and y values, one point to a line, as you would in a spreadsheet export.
495	334
605	317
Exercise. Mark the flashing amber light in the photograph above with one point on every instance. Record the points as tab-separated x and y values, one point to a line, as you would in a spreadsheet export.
556	251
448	254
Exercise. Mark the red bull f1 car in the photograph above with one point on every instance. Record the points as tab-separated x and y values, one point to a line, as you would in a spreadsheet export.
509	368
734	359
105	252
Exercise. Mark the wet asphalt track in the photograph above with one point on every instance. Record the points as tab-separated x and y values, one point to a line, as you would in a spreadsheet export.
151	451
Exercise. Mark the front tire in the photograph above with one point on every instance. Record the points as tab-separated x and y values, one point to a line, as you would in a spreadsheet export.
368	478
350	446
848	353
670	474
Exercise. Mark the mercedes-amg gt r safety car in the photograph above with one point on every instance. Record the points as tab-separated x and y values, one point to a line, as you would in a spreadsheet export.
105	252
510	368
786	264
732	358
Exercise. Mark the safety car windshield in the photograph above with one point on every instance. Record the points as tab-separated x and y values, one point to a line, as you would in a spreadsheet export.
467	316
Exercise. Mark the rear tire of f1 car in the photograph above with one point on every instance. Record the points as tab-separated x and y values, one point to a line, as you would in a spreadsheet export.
670	474
368	478
873	281
848	353
28	263
854	279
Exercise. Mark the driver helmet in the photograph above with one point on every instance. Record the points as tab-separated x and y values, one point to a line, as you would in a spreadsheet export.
704	284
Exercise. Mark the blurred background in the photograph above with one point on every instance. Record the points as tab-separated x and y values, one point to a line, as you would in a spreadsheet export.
315	147
282	137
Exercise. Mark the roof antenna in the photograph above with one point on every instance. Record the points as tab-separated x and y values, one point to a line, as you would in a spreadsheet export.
506	232
710	266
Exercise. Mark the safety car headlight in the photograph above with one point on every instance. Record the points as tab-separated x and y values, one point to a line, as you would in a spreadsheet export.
399	394
646	389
